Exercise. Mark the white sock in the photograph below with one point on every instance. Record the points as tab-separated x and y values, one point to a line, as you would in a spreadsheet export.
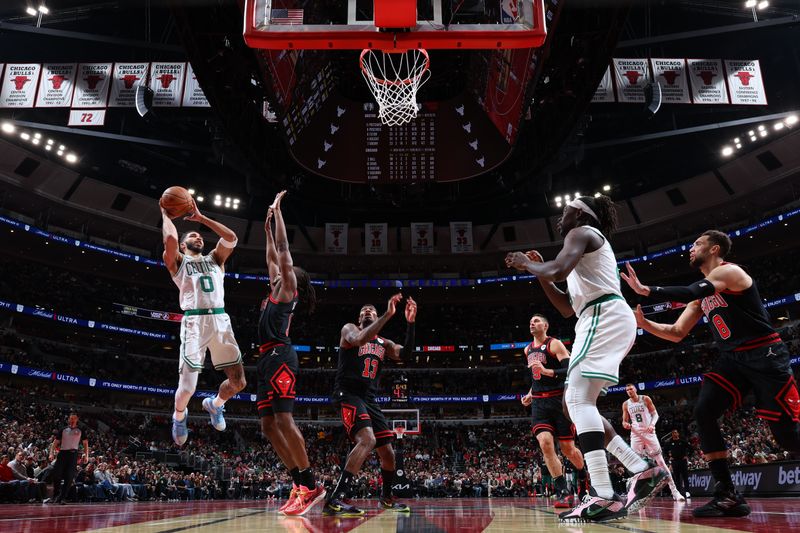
620	449
597	465
179	415
218	402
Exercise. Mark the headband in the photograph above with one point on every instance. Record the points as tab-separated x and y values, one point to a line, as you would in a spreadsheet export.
577	203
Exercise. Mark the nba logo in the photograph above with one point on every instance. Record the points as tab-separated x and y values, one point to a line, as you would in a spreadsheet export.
135	257
27	227
485	397
91	323
14	369
252	397
20	308
92	382
77	243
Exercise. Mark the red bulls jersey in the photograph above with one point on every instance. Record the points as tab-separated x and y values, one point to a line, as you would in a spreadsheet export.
360	368
542	353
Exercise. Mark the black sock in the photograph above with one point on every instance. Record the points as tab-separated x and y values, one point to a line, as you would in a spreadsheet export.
307	478
388	480
559	484
295	473
342	486
582	474
722	474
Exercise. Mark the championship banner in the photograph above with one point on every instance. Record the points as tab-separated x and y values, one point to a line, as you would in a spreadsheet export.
56	84
336	238
193	95
670	74
708	81
166	80
745	82
460	237
631	76
375	237
422	237
127	77
605	90
19	85
91	85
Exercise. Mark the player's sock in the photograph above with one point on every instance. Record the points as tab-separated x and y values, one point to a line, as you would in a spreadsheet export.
560	484
179	415
307	478
597	464
295	473
341	486
721	472
620	449
388	480
217	401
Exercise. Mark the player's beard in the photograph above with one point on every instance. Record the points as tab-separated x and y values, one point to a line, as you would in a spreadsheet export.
194	248
697	262
365	322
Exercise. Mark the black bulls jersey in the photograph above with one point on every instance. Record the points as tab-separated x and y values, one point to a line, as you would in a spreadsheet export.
360	368
275	321
738	319
542	353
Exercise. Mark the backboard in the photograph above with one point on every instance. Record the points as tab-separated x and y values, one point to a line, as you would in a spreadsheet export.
351	24
408	419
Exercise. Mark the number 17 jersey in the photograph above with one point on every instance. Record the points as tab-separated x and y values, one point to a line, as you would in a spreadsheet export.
360	367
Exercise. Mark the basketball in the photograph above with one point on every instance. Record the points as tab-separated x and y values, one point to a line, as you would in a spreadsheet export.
177	201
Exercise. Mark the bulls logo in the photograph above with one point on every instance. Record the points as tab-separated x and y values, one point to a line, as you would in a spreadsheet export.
744	77
348	416
129	80
166	80
670	76
633	76
92	80
789	399
283	381
707	76
20	81
336	234
57	80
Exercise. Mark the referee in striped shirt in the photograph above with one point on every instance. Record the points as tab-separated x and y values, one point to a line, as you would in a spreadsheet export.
67	460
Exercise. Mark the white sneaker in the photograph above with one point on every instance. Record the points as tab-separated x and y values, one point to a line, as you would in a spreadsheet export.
677	497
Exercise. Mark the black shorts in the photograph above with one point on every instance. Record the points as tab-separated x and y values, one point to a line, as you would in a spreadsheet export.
767	371
277	376
548	415
359	412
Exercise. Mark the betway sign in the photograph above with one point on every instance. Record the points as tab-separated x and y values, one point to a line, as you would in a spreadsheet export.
772	478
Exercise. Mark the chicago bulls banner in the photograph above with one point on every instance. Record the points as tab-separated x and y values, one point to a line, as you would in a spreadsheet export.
670	74
631	76
422	237
460	237
91	85
605	91
375	237
19	85
166	80
708	81
193	95
336	238
56	84
745	82
127	77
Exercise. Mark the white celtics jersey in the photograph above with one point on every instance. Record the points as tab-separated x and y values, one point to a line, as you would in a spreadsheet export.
639	413
199	280
595	275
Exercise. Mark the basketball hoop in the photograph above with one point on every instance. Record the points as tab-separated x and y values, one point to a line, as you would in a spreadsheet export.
399	431
394	79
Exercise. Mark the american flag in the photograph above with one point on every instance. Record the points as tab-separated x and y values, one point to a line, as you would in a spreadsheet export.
286	16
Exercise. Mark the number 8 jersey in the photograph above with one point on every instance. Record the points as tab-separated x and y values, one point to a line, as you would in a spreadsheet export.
200	282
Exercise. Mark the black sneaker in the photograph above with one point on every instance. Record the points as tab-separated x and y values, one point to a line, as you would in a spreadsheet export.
391	504
726	502
339	508
565	500
593	508
644	485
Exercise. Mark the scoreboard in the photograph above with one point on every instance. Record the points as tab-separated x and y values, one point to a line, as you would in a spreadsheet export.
400	153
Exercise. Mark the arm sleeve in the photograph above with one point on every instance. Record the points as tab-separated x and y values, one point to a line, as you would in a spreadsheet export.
561	373
687	294
408	343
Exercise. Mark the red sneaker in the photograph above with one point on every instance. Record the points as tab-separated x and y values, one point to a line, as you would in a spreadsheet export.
288	503
305	500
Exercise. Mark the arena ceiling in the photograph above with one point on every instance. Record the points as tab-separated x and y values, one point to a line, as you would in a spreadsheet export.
567	144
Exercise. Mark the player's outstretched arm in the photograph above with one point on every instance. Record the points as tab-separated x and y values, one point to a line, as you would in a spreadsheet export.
285	264
352	336
675	332
169	234
557	297
721	278
559	268
398	352
227	238
272	253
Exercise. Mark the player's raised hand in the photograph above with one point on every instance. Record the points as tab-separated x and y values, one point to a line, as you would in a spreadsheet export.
411	310
639	314
526	400
194	215
391	308
516	260
633	281
276	203
534	256
267	222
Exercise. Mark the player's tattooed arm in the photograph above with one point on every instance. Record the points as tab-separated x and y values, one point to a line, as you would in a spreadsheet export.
353	336
559	268
675	332
172	256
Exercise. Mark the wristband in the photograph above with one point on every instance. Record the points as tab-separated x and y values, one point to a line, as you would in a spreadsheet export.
229	244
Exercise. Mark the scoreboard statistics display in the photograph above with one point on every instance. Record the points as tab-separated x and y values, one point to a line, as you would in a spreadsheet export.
400	390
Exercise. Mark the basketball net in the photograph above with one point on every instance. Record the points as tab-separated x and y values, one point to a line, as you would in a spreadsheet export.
399	431
394	79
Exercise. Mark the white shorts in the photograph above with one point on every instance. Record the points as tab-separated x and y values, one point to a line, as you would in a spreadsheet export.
604	335
208	332
646	444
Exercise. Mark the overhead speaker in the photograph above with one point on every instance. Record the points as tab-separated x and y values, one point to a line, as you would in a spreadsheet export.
144	101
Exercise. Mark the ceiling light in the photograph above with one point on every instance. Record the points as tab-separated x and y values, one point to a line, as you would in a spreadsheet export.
727	150
750	3
236	200
37	135
751	132
763	133
217	203
48	147
8	127
60	152
736	140
738	146
566	197
558	204
763	5
71	158
49	141
753	138
227	198
778	126
217	197
43	9
791	119
606	188
35	140
558	198
597	195
62	147
761	127
236	206
191	191
577	194
30	11
200	198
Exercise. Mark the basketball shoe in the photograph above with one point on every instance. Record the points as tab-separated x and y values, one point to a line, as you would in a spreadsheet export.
216	414
180	430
